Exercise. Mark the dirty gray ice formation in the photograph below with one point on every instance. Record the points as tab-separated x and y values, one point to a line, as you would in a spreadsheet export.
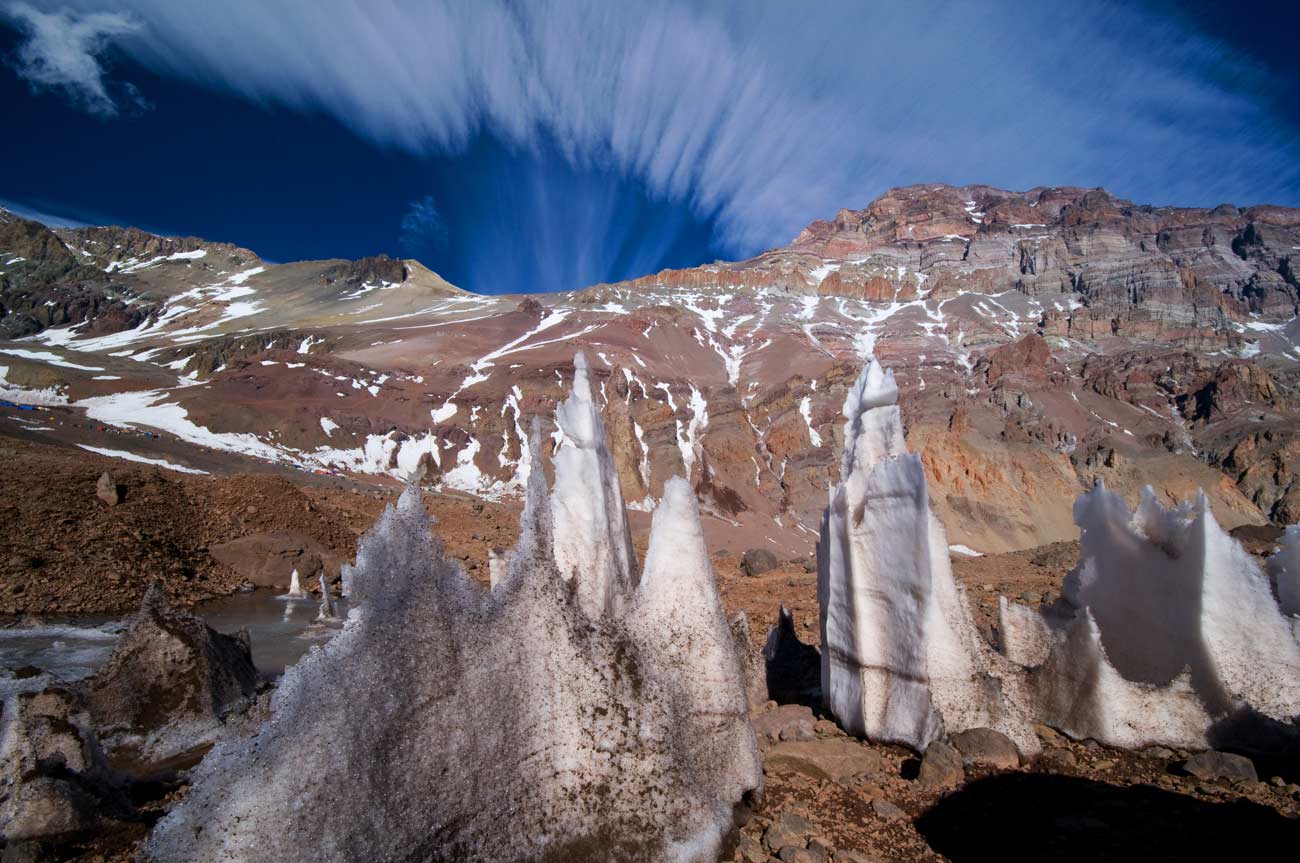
575	711
326	602
171	683
55	782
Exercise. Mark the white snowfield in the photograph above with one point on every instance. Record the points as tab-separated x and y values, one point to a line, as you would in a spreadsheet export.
617	722
1168	631
46	396
136	457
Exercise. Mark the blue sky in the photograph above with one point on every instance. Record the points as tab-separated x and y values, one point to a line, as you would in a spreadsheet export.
518	146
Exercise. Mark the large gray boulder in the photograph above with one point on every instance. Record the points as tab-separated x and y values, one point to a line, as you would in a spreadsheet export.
170	684
55	784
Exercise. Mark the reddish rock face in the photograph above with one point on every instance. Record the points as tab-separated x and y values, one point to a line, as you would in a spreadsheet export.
1043	340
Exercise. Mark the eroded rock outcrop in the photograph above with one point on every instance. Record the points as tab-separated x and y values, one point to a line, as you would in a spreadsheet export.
170	684
55	783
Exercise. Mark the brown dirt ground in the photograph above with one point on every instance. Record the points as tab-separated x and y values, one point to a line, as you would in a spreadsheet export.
62	551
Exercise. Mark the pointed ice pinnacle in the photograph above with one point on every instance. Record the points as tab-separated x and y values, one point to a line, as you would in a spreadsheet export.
608	730
295	587
593	544
901	658
326	601
1169	590
1166	632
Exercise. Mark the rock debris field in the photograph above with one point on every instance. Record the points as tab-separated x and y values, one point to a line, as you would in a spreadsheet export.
574	679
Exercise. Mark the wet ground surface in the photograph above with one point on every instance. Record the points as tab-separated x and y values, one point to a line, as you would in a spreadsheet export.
281	630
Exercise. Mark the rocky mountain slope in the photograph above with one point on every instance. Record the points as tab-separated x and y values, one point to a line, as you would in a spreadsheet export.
1042	341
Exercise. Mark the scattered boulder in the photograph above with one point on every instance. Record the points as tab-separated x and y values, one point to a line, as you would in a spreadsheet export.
941	767
266	559
757	561
787	722
55	783
845	856
985	746
826	728
837	759
886	811
107	489
1211	765
820	849
1158	753
750	850
170	682
787	830
1055	759
793	854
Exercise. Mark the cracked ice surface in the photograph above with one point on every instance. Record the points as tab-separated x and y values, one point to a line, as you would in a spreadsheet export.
450	722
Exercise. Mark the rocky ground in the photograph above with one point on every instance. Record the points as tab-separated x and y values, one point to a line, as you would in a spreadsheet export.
828	797
1042	340
65	551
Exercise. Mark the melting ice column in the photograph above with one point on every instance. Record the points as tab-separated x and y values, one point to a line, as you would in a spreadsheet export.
678	613
590	535
901	658
872	550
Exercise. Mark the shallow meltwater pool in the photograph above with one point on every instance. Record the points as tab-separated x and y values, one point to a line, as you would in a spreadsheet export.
281	630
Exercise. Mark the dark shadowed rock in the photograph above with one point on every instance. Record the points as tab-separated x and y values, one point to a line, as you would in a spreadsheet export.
986	746
171	680
1221	765
1055	759
757	561
793	668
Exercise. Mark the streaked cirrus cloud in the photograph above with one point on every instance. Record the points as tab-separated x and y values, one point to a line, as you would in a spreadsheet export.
759	116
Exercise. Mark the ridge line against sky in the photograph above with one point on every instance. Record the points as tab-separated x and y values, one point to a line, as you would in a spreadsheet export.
604	141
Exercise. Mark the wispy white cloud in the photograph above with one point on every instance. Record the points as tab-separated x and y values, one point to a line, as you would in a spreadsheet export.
761	115
423	231
38	215
62	52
